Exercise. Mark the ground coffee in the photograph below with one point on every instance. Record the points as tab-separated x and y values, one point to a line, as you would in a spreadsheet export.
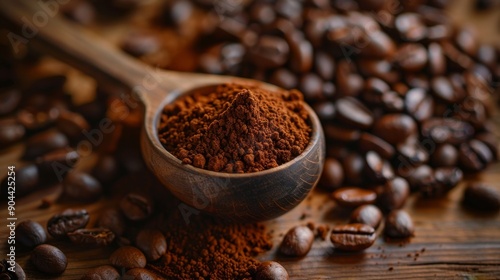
235	128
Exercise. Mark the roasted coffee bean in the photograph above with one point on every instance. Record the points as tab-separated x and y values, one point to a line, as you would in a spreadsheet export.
481	196
301	52
44	142
30	234
419	176
49	259
474	155
395	128
152	243
11	132
79	186
102	272
411	57
419	104
92	237
490	140
271	270
68	221
136	207
347	81
7	274
141	274
262	13
353	237
9	100
410	27
486	54
353	166
106	170
437	61
325	110
128	257
324	65
35	120
374	90
369	142
112	219
297	242
368	215
270	52
333	174
381	69
54	165
456	59
444	155
446	178
26	180
176	12
352	112
398	224
394	194
353	197
446	130
377	169
72	125
411	153
284	78
444	90
341	134
312	86
466	41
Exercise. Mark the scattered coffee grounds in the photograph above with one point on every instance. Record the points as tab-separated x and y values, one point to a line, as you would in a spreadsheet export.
208	248
235	128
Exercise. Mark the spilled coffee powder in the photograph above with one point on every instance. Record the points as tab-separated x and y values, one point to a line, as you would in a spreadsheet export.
208	248
234	128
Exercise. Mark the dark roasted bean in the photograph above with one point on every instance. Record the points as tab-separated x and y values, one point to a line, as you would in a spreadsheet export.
49	259
44	142
347	81
284	78
394	194
297	242
128	257
271	270
152	243
369	142
68	221
55	164
301	52
489	140
381	69
353	166
353	237
312	86
7	274
482	196
136	207
410	27
411	153
444	90
474	155
325	110
11	132
446	130
399	224
9	100
112	219
73	125
270	52
446	178
341	134
467	42
325	65
411	57
352	112
92	237
81	187
377	169
26	180
419	177
419	104
106	170
140	274
101	272
30	234
37	119
333	174
395	128
368	215
437	62
353	197
444	155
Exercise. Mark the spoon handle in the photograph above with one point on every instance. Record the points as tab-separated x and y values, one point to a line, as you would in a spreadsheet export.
39	24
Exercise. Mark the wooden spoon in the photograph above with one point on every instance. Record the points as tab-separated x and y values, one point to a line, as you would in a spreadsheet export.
250	196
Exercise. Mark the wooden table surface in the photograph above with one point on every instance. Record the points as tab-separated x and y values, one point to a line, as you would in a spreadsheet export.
449	241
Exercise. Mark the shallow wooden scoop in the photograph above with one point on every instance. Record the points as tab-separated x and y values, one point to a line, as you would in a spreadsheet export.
243	197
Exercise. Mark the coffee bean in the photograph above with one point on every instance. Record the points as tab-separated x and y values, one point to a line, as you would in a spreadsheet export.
152	243
54	165
444	90
394	194
325	110
347	81
374	90
270	52
262	13
141	274
353	166
271	270
466	41
297	242
333	174
411	153
82	187
341	134
7	274
44	142
49	259
94	237
474	155
411	57
487	55
444	155
395	128
312	86
101	272
398	224
419	176
68	221
9	100
136	207
410	27
324	65
35	120
368	215
284	78
26	180
351	112
419	104
446	178
128	257
353	237
481	196
353	197
377	169
301	52
106	170
369	142
72	125
456	59
112	219
437	62
30	234
381	69
446	130
490	140
11	132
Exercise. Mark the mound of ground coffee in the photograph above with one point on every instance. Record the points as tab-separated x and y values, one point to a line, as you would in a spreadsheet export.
236	128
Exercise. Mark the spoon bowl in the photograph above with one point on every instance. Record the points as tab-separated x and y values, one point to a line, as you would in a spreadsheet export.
248	196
